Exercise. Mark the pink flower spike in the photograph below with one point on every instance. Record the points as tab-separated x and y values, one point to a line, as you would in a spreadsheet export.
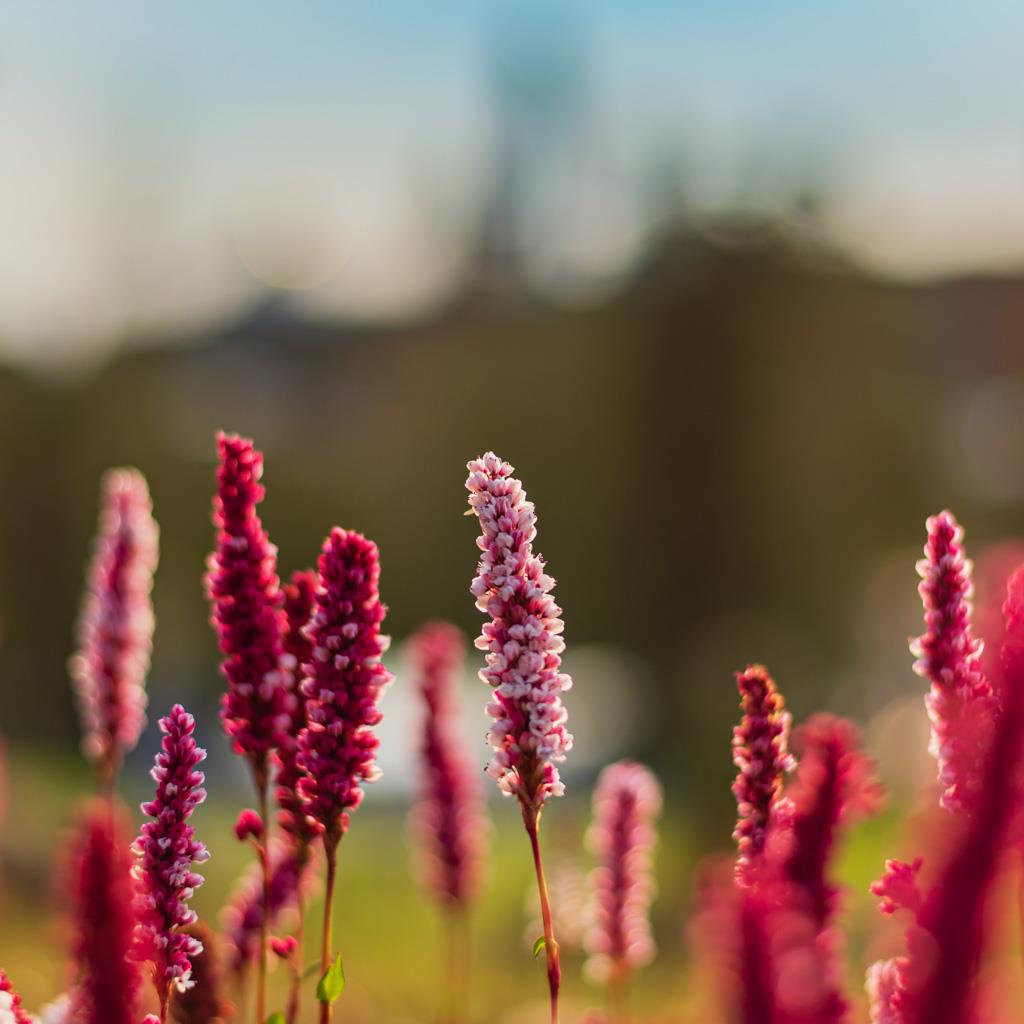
760	752
523	639
299	599
961	702
11	1010
166	850
627	801
449	818
115	633
245	593
343	684
248	826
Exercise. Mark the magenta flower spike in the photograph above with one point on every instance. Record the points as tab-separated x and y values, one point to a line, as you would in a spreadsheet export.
760	752
946	938
11	1010
299	599
627	801
245	593
524	645
105	922
343	683
960	701
115	632
166	850
886	988
449	819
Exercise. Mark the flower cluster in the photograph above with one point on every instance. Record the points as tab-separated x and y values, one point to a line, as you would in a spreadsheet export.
166	850
115	634
343	684
299	595
627	800
449	816
105	924
523	639
760	753
245	593
960	702
11	1011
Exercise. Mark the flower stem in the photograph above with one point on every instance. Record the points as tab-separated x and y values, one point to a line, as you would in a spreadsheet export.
618	994
293	999
262	786
331	849
532	822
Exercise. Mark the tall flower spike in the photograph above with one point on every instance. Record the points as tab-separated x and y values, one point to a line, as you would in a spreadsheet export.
105	922
760	752
299	596
448	820
961	703
115	633
166	850
11	1010
343	684
523	640
524	645
627	801
245	593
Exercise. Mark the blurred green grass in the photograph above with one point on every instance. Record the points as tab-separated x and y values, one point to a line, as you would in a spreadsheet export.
391	936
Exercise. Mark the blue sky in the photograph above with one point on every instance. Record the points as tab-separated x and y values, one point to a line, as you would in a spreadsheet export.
163	163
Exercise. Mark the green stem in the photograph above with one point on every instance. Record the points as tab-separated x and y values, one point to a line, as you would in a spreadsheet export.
331	849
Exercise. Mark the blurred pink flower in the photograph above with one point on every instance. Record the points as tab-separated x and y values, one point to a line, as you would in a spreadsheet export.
448	819
115	632
960	702
523	640
760	752
627	800
11	1010
343	684
245	593
166	850
108	976
885	986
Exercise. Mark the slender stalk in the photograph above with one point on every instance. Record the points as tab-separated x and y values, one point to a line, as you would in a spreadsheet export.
263	786
532	822
618	994
331	849
293	998
456	953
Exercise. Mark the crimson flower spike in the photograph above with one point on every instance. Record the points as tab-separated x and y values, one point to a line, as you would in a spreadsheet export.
343	683
627	800
760	753
104	918
448	820
245	595
115	632
11	1010
960	701
166	850
936	982
524	645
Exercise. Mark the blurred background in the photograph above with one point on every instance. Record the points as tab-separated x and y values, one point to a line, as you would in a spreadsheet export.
738	289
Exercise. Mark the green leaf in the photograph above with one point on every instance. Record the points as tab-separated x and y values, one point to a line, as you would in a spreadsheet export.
538	947
276	1018
332	984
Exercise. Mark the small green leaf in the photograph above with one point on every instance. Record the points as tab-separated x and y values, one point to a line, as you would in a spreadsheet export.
310	970
276	1018
538	946
332	984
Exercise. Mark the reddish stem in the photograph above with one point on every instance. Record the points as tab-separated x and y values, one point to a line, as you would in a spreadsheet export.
293	999
331	849
262	787
532	821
